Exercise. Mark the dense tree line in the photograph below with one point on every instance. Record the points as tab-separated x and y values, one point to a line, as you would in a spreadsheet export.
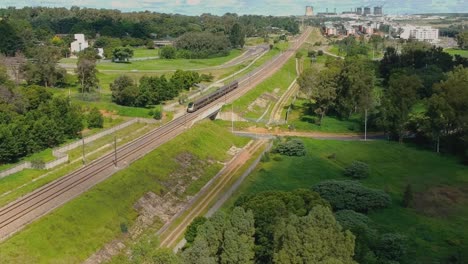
386	93
153	90
26	27
272	227
32	120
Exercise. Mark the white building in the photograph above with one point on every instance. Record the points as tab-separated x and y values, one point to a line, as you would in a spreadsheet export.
427	34
79	44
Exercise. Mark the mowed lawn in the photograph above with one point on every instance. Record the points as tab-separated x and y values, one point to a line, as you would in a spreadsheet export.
78	229
168	65
453	52
440	181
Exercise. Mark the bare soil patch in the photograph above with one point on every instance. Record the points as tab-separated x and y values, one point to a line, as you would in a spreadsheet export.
440	201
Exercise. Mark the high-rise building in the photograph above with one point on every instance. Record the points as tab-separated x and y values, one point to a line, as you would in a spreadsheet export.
367	11
309	11
359	11
378	11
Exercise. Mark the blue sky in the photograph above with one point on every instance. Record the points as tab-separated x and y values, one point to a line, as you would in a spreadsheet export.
263	7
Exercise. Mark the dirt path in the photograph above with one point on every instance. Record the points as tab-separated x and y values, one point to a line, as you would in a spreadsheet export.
200	205
263	132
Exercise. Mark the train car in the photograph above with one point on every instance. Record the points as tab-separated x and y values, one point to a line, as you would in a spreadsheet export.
207	99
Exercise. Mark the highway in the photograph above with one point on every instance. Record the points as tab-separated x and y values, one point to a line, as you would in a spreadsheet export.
17	214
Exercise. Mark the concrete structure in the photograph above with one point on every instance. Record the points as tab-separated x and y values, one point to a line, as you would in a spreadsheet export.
101	52
79	44
330	31
378	11
427	34
309	11
359	11
350	31
367	11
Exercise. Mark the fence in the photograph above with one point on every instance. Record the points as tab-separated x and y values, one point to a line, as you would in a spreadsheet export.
59	153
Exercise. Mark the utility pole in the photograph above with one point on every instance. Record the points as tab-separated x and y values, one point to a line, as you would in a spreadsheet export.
232	117
115	151
82	149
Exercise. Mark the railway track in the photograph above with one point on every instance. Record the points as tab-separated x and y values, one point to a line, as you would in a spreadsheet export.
17	214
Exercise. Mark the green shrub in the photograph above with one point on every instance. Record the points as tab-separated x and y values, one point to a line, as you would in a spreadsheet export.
95	118
265	157
123	228
192	229
294	147
357	170
391	247
157	113
352	195
320	53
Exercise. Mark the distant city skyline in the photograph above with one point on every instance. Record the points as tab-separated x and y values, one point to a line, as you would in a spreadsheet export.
261	7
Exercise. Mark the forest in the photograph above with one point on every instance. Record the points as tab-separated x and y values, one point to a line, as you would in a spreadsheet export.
25	28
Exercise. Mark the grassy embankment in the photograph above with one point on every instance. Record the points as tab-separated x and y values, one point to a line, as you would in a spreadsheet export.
21	183
439	181
453	52
79	228
279	81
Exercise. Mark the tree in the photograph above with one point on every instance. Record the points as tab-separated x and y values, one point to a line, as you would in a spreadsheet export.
192	229
314	238
10	42
447	113
357	87
223	239
269	207
399	99
87	73
462	40
366	236
352	195
320	87
124	90
237	36
391	247
95	118
122	54
43	69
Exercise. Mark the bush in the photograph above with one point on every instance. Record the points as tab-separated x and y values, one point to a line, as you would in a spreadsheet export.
95	119
357	170
265	157
320	53
168	52
37	164
391	247
408	196
294	147
352	195
311	53
157	113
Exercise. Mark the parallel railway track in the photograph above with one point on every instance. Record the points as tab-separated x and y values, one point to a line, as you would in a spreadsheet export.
17	214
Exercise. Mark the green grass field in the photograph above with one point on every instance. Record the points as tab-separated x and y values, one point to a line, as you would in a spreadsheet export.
453	52
76	230
303	120
432	239
168	65
143	52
